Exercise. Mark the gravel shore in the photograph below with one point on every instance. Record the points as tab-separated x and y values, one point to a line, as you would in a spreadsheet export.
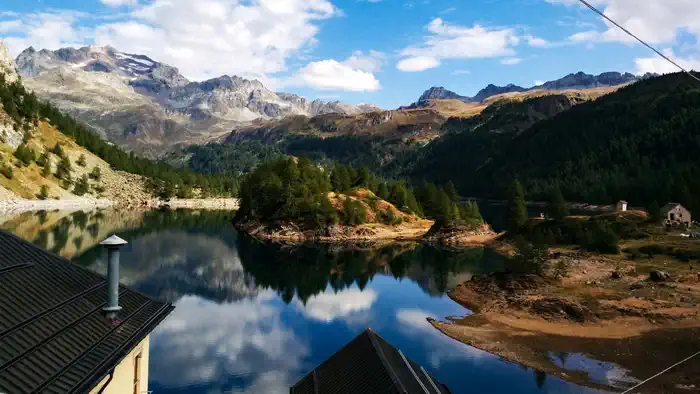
23	205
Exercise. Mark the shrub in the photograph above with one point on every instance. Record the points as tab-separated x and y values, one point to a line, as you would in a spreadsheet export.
81	160
6	171
354	211
82	186
63	170
601	238
390	218
46	170
58	150
96	173
652	250
25	154
43	160
44	192
529	258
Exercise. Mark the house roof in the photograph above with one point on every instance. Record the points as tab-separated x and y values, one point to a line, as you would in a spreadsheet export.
369	364
54	337
622	202
669	206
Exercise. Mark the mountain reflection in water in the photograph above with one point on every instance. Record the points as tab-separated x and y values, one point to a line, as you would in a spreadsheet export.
255	317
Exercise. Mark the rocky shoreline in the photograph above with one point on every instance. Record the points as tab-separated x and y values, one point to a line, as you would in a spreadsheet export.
17	206
419	230
601	303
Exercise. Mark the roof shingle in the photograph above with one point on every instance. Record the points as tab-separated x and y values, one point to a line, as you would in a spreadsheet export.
54	337
369	364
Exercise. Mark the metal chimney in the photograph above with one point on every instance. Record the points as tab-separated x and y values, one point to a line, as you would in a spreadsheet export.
112	244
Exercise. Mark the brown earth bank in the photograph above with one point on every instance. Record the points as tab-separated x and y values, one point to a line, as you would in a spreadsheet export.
415	229
462	235
404	226
606	308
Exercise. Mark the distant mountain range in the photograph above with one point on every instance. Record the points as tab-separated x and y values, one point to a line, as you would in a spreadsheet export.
578	81
148	106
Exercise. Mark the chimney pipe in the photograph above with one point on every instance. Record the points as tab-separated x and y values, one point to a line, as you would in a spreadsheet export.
112	244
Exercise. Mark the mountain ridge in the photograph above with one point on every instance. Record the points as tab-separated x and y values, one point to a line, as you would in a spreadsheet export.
148	106
579	81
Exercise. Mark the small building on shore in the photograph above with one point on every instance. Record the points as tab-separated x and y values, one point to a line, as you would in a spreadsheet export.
676	214
66	329
621	206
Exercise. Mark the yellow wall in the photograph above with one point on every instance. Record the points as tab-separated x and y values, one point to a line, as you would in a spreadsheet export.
123	380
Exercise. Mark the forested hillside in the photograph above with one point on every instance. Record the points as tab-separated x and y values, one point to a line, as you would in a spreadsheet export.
640	143
27	114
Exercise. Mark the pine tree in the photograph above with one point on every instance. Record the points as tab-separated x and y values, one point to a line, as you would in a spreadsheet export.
46	170
383	192
96	173
82	186
44	192
7	171
447	209
58	150
558	208
515	210
451	191
364	177
412	203
655	212
399	196
81	160
63	170
43	160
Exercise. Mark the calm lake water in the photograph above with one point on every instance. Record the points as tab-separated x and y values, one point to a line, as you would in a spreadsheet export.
254	318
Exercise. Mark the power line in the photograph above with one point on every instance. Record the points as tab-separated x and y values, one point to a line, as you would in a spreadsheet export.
597	11
660	373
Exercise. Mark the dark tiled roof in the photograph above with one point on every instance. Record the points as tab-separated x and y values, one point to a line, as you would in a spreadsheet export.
669	206
368	364
54	337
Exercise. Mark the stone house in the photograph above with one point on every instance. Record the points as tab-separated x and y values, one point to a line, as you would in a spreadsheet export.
621	206
675	213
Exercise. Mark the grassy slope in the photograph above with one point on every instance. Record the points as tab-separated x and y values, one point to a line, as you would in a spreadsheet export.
27	181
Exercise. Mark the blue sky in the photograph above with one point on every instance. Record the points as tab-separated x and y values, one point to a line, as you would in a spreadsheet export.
385	52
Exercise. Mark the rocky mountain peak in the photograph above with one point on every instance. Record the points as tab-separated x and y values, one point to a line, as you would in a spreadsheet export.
492	90
439	93
157	106
7	65
581	80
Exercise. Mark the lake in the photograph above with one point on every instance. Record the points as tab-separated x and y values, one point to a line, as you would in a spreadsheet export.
253	317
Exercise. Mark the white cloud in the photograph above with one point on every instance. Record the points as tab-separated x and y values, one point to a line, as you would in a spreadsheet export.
511	61
329	306
333	75
586	36
372	62
537	42
203	342
204	39
538	82
461	72
448	41
657	21
12	25
440	347
44	30
658	65
417	63
118	3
